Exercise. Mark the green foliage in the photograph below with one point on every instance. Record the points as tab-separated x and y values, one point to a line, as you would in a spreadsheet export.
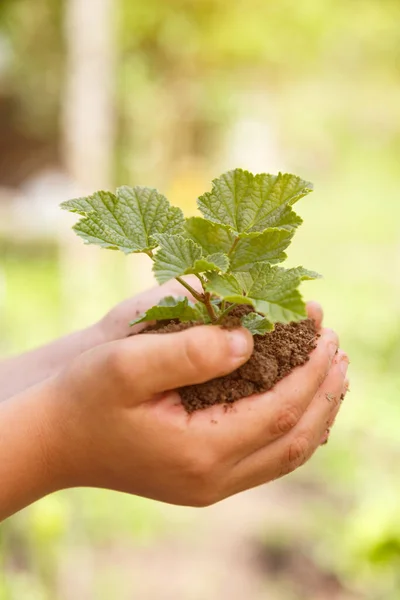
127	220
248	223
181	256
256	324
243	250
271	290
246	203
170	308
181	66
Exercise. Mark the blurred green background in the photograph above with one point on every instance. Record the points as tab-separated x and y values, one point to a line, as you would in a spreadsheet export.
169	93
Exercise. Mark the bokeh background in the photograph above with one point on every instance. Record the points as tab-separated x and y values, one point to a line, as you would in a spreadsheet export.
169	93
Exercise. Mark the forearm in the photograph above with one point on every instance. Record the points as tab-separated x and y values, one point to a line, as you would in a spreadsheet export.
21	372
25	435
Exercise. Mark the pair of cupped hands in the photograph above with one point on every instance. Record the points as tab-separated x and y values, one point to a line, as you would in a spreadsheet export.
113	420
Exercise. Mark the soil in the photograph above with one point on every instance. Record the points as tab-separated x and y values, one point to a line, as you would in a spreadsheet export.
275	355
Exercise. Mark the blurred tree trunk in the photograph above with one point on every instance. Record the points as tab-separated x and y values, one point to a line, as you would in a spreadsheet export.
88	140
88	109
88	132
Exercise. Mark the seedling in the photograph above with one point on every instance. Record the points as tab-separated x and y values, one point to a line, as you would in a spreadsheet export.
233	249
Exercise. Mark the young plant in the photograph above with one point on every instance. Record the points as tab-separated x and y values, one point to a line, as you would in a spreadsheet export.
248	222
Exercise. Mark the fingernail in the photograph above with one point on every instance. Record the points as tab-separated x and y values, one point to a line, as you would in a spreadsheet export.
345	390
332	349
239	343
344	364
325	437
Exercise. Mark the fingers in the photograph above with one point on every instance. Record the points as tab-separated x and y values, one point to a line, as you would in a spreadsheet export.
293	450
156	363
315	312
261	419
332	419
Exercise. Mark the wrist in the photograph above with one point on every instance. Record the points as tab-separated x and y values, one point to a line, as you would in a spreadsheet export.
58	420
28	440
51	426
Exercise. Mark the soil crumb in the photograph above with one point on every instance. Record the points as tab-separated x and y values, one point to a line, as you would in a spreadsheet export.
275	355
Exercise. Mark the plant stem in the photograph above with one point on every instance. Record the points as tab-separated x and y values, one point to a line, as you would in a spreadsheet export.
202	281
196	295
207	302
225	312
235	243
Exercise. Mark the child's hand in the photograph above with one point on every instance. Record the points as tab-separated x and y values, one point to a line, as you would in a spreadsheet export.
112	421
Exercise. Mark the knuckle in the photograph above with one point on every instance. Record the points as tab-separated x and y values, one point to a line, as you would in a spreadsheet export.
287	419
299	449
192	358
115	360
203	477
297	453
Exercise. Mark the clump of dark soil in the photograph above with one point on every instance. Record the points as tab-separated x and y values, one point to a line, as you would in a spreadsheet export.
275	355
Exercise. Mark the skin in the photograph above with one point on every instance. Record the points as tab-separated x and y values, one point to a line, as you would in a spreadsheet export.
20	372
95	409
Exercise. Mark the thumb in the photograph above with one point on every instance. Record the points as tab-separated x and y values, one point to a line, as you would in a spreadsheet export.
171	360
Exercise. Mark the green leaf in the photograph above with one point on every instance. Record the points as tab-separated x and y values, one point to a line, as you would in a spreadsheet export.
202	313
288	220
83	206
257	324
249	222
176	257
271	290
248	203
268	246
181	256
126	221
250	248
170	308
227	287
210	236
274	291
284	302
213	262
